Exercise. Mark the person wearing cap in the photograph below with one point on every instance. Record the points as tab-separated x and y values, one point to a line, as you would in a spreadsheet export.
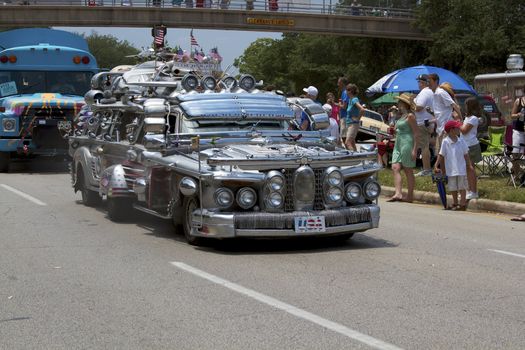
354	112
311	93
405	148
443	106
425	122
453	160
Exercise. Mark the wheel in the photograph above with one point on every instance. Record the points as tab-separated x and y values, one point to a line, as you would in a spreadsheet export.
188	206
89	198
4	162
119	208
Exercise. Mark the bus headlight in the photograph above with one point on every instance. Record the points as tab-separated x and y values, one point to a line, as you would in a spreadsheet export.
8	124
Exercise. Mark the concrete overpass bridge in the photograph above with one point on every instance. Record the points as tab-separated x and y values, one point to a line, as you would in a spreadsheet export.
246	15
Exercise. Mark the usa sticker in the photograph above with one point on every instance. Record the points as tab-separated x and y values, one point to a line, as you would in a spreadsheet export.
309	224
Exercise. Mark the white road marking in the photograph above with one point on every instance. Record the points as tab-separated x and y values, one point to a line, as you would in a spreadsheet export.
24	195
507	253
336	327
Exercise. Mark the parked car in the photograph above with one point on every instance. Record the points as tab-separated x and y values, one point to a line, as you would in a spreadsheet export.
372	123
217	158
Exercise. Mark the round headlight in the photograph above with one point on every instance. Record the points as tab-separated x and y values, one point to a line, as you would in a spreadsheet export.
275	181
229	82
352	191
8	124
274	200
223	197
246	197
335	194
334	176
372	189
190	82
247	82
209	83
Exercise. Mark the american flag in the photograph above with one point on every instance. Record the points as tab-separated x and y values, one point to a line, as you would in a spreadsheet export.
214	54
198	55
193	40
159	36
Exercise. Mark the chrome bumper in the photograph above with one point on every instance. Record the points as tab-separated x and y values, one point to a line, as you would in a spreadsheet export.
258	224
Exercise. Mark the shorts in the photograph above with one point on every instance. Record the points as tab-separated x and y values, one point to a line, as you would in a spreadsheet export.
474	153
457	183
353	128
423	137
383	148
518	139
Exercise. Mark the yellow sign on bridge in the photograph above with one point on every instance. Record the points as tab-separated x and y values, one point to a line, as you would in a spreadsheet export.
270	21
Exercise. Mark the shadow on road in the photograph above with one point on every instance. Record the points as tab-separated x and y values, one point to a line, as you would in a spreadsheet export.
42	165
164	229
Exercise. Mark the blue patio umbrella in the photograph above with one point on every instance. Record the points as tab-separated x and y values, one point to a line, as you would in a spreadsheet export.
404	80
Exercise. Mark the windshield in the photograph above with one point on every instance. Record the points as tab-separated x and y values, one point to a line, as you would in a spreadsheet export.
194	126
29	82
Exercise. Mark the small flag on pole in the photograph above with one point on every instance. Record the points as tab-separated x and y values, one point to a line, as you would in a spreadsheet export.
193	40
159	32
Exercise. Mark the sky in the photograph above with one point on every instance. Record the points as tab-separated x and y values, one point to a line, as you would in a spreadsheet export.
231	43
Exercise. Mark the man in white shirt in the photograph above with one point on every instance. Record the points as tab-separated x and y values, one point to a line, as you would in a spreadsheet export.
443	106
333	127
424	101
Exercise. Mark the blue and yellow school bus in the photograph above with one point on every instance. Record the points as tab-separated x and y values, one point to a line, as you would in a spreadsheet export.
44	74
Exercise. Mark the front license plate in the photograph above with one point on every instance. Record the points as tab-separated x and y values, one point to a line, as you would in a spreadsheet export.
309	224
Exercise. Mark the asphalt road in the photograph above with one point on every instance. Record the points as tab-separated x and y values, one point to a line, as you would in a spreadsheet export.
426	279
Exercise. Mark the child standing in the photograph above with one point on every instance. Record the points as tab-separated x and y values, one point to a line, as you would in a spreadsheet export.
453	160
469	131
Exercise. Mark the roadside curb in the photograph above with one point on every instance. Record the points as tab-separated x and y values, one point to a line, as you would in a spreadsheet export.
474	204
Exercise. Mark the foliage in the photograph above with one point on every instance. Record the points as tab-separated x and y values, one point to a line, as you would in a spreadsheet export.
300	60
494	188
472	36
109	51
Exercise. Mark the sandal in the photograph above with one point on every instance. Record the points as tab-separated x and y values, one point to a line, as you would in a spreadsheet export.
395	199
518	218
451	207
460	208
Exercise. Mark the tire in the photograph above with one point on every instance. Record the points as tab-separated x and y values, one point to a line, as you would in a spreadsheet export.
4	162
119	208
89	198
188	206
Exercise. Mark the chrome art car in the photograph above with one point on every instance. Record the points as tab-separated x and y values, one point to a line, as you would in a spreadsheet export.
216	156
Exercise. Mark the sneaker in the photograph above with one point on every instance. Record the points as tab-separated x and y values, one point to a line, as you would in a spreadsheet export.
424	173
472	195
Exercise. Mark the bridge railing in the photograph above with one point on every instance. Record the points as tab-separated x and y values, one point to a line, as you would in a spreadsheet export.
328	7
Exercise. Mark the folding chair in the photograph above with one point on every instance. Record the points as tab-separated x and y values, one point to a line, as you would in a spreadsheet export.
494	161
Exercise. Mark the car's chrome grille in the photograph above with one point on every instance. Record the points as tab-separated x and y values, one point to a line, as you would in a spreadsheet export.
289	195
333	218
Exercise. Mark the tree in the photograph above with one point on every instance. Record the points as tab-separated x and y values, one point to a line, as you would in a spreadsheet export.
109	51
472	36
300	60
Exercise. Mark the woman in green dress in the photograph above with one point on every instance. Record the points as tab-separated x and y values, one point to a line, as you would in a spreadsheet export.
405	149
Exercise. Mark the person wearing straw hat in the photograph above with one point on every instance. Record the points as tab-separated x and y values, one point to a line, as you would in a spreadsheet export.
405	148
443	106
